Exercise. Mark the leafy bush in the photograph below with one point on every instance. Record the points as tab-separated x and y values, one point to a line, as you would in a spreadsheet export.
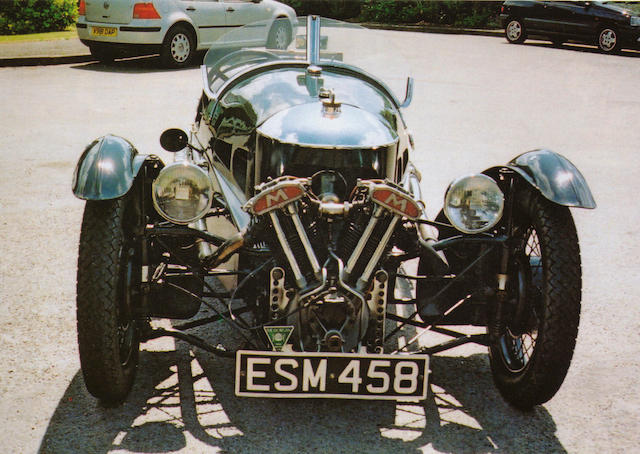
36	16
459	13
337	9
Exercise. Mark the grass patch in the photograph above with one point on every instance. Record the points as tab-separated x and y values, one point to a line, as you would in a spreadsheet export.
66	34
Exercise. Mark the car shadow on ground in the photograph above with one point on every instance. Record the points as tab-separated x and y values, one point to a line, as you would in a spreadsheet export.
184	399
584	48
136	65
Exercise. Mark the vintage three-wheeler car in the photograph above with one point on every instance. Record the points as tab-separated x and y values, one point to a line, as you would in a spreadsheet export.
291	212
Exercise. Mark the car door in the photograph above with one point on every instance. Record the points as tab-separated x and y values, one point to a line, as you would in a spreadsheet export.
553	16
209	16
242	12
578	20
539	17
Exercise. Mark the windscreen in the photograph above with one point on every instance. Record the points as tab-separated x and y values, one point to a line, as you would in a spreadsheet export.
373	51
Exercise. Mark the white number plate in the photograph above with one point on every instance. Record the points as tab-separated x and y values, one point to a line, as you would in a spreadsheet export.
331	375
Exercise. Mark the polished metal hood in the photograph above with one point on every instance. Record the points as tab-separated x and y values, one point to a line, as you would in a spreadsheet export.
321	125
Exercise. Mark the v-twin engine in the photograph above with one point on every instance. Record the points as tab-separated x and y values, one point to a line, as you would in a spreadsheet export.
330	282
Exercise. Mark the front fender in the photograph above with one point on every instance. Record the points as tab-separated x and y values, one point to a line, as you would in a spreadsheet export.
107	168
553	175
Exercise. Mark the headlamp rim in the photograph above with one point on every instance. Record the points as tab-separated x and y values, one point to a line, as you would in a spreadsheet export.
463	228
163	213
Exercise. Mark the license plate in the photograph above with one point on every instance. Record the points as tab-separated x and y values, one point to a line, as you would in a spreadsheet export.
331	375
104	31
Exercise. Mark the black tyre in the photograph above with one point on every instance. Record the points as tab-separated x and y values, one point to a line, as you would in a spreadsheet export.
515	31
108	291
608	40
178	47
532	346
279	35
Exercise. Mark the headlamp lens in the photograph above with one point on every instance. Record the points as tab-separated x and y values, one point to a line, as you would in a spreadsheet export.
182	193
474	203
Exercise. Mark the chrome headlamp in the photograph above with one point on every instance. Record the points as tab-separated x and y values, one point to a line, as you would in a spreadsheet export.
182	193
474	203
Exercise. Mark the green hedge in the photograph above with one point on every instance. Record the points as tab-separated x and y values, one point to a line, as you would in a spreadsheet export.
457	13
36	16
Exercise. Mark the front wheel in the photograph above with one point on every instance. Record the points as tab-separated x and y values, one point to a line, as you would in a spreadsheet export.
608	41
532	342
108	291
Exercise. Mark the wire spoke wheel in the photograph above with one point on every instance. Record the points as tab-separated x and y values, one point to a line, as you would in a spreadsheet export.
532	342
519	339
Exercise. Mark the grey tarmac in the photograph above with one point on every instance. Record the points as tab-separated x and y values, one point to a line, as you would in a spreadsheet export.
478	102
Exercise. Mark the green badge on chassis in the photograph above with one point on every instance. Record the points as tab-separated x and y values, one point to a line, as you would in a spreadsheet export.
278	336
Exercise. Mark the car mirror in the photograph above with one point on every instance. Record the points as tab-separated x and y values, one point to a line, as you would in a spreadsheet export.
174	140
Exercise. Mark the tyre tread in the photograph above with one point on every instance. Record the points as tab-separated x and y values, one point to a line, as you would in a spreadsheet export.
101	241
556	340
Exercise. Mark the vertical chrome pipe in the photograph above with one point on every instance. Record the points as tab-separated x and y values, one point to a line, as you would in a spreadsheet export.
313	39
305	240
300	280
357	252
375	258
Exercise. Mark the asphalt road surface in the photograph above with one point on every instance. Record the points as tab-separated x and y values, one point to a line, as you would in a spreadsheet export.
478	102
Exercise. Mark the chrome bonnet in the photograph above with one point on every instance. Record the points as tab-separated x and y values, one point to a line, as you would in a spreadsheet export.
320	125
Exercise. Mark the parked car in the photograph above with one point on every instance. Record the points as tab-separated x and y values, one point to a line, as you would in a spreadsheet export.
610	27
176	29
304	157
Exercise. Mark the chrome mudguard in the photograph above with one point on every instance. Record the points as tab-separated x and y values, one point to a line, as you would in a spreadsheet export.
107	168
553	175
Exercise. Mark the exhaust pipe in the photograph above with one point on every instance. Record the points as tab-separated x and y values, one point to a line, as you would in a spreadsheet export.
226	250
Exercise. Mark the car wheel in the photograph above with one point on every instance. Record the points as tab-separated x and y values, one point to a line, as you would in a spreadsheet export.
108	293
279	35
515	31
101	54
532	341
178	47
608	41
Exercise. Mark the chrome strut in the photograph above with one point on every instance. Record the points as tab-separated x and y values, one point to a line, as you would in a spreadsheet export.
293	263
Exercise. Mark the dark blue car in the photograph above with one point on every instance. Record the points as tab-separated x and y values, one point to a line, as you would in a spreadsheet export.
609	26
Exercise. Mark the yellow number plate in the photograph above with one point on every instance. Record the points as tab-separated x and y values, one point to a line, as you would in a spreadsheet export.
104	31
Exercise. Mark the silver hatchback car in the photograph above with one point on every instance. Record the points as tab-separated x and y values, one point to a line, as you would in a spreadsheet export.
176	29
